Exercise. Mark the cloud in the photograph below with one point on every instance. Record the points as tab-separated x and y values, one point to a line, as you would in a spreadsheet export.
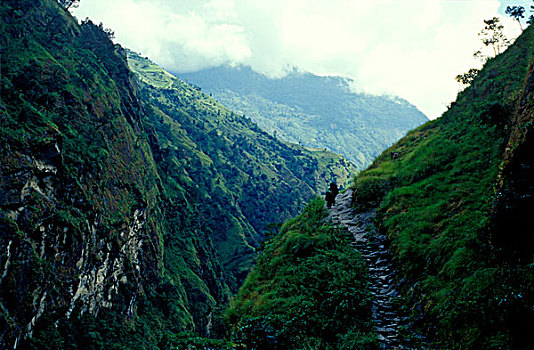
410	48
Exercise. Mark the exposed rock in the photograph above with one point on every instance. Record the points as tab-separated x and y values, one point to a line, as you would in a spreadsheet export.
388	319
513	228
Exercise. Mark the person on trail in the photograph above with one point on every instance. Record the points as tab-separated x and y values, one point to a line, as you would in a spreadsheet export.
333	188
330	199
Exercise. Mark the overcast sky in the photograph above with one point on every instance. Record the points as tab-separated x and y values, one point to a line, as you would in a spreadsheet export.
409	48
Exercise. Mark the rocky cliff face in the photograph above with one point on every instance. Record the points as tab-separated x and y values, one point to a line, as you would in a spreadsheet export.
513	230
79	194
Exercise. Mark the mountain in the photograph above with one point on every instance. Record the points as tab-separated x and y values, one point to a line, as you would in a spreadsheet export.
315	111
245	173
131	204
452	200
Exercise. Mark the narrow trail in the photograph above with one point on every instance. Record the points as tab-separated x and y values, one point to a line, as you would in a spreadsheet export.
386	315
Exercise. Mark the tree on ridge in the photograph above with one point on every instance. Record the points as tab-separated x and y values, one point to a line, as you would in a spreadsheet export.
492	35
67	4
516	12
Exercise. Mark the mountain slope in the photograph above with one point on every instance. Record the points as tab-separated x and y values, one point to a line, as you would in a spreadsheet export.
311	110
253	177
453	197
88	222
82	232
116	216
458	229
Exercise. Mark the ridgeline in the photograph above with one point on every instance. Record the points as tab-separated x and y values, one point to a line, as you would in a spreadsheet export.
321	112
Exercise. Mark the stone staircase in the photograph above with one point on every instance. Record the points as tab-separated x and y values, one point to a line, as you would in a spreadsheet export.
386	315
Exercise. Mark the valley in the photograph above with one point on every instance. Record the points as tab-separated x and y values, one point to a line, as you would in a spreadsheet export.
315	111
141	209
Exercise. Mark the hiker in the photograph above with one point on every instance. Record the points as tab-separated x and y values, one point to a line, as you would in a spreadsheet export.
330	199
334	190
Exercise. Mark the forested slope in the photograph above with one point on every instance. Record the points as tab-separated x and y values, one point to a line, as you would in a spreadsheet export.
313	110
249	176
115	215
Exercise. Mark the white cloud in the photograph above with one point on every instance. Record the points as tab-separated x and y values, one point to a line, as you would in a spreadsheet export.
410	48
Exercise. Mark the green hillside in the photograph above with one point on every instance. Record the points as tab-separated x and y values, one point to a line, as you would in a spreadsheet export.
308	290
129	209
253	178
437	196
454	198
312	110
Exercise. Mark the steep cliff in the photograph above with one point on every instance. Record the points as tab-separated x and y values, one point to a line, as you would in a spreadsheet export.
79	189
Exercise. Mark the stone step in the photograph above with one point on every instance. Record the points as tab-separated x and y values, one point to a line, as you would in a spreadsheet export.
372	247
379	271
349	223
384	331
392	316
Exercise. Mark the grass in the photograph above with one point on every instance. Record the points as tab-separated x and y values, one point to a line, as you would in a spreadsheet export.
434	194
308	290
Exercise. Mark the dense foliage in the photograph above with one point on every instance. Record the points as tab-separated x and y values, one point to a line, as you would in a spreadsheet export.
248	178
308	290
81	232
312	110
435	193
114	217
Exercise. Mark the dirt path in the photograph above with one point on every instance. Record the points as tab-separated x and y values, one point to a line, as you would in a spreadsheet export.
386	315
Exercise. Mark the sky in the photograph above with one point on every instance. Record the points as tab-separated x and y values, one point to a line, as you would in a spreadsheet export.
410	48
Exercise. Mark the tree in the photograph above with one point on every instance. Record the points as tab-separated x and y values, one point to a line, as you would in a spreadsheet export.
516	12
67	4
467	78
480	56
493	36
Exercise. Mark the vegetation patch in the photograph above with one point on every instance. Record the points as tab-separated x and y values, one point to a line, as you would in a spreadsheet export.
308	290
434	194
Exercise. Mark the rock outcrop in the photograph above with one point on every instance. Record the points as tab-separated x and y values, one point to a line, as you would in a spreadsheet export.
512	225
